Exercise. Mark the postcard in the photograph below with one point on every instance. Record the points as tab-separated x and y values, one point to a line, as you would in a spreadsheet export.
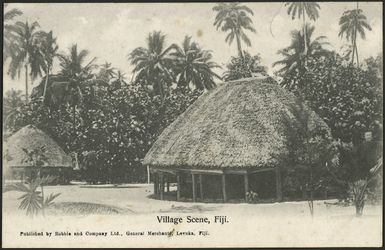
192	124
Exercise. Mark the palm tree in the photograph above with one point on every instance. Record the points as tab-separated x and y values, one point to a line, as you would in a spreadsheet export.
8	34
194	66
233	18
351	22
12	102
24	52
293	55
76	75
48	51
303	9
106	72
153	64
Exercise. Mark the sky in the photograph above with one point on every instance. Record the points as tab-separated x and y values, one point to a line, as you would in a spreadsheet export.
110	31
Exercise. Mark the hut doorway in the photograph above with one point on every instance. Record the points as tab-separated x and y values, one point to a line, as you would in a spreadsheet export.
235	187
264	184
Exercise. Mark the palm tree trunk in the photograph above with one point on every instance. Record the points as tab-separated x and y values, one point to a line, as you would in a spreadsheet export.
304	32
26	82
240	53
354	46
45	84
358	62
355	42
73	120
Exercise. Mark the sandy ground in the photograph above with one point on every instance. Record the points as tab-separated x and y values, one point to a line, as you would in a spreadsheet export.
249	225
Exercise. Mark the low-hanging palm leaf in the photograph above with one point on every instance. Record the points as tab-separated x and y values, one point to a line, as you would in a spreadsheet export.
234	19
293	55
194	65
32	200
9	36
351	23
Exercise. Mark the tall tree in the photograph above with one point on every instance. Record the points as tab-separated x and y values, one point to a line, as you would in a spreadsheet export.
234	19
153	64
303	9
8	27
48	51
76	74
106	72
293	54
23	52
194	65
351	22
12	102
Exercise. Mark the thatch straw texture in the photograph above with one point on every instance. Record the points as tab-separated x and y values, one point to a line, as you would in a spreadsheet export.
236	125
30	137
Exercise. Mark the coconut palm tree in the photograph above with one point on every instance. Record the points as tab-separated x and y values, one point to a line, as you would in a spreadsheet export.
153	64
293	55
303	9
194	65
12	102
24	52
48	51
351	22
76	75
234	19
106	72
8	27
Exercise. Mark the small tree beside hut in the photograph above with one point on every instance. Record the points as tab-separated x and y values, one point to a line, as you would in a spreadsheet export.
310	148
32	200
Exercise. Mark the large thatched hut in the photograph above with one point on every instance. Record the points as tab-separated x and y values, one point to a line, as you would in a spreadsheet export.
56	163
226	143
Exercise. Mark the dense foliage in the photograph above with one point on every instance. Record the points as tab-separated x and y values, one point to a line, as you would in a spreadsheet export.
115	127
349	99
243	67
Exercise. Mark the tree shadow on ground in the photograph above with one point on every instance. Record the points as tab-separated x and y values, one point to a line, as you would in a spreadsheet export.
86	208
188	209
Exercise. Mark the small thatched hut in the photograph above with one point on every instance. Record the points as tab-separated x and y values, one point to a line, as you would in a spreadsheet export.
57	162
226	143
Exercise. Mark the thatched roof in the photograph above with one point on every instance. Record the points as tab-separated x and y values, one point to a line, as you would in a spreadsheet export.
30	137
236	125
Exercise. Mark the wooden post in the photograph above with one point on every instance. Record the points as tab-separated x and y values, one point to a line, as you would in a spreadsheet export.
168	185
246	180
193	188
178	186
156	185
279	184
161	186
201	186
148	174
224	187
12	175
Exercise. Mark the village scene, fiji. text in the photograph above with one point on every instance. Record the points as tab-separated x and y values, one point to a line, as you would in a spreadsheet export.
242	124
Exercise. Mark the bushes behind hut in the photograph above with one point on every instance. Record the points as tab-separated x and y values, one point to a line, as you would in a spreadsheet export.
113	129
